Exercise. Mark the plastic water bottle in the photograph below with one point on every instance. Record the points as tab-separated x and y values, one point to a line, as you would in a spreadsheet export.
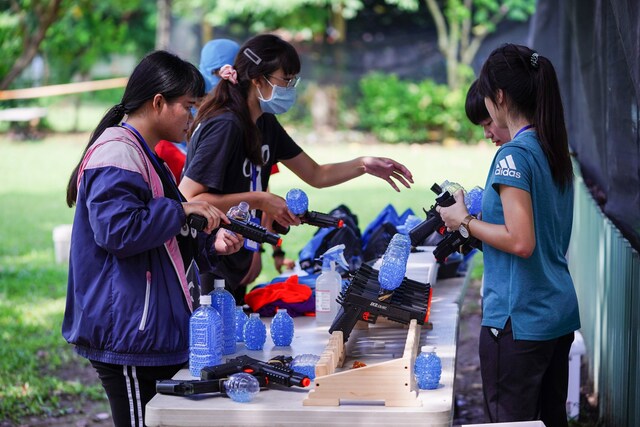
239	212
428	368
241	319
282	328
473	200
394	262
255	333
205	332
241	387
305	364
409	223
225	303
297	201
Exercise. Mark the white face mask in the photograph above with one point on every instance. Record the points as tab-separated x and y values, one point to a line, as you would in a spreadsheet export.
282	99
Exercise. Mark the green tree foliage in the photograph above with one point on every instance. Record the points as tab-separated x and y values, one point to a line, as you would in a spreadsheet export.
99	29
309	18
23	26
462	26
405	111
71	34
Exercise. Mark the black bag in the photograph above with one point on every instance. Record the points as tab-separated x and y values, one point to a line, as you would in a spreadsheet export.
324	239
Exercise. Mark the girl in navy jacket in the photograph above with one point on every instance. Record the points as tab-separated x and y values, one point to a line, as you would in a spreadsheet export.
134	261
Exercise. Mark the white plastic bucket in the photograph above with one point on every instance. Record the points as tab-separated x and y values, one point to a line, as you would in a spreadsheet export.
62	242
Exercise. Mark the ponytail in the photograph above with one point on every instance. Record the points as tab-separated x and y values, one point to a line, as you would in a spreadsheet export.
549	122
228	96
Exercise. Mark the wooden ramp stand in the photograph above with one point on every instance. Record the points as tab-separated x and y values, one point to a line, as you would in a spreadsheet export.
391	381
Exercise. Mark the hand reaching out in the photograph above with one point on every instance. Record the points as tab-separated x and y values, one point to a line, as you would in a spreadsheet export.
275	208
388	169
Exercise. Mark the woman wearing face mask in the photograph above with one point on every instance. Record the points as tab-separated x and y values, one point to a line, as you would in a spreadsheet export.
236	138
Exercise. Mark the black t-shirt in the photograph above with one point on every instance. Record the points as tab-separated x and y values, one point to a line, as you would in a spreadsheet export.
217	159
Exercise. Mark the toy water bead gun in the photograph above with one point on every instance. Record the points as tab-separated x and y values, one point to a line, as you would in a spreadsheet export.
244	227
298	204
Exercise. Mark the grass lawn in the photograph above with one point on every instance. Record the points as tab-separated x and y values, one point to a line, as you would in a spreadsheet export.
33	286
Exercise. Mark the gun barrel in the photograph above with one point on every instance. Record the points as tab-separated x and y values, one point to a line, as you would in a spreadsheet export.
252	231
322	220
274	373
189	387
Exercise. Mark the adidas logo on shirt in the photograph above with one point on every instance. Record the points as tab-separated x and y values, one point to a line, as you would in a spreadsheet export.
507	167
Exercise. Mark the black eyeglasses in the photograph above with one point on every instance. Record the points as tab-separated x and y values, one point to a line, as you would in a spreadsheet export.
291	83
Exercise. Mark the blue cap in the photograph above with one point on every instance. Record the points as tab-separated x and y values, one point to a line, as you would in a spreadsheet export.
213	56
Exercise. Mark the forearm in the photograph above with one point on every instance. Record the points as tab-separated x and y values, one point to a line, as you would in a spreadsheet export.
327	175
500	237
226	201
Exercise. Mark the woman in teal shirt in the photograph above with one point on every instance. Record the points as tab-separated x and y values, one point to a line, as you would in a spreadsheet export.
530	309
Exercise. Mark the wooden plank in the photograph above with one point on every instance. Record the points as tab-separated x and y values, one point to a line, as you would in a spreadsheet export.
390	381
63	89
22	114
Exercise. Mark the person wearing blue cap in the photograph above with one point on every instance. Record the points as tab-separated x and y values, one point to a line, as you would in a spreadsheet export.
214	55
236	139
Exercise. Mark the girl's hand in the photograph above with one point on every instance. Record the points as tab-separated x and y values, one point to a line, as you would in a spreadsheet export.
213	215
388	169
275	208
454	215
280	262
227	243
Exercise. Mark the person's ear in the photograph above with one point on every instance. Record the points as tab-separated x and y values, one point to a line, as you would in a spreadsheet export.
158	102
257	82
499	97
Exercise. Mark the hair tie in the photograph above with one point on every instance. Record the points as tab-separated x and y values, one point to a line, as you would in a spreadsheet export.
227	72
252	56
534	60
119	109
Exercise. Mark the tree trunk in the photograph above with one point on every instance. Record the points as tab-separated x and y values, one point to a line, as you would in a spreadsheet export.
32	42
163	30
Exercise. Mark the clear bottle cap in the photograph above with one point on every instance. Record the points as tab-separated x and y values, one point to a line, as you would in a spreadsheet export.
282	310
428	349
218	283
255	315
205	299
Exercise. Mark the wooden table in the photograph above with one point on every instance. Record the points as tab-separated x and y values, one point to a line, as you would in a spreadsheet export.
283	406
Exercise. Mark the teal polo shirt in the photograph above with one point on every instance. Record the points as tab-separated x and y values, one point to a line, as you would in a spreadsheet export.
537	293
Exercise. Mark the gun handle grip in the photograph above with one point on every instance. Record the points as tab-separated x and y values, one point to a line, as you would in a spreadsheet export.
279	229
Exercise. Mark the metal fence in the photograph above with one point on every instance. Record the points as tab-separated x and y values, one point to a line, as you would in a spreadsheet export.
606	273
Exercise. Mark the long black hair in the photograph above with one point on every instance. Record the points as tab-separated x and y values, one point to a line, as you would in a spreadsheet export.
530	85
259	56
159	72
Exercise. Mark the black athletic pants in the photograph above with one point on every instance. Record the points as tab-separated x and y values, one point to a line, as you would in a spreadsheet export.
524	380
130	388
